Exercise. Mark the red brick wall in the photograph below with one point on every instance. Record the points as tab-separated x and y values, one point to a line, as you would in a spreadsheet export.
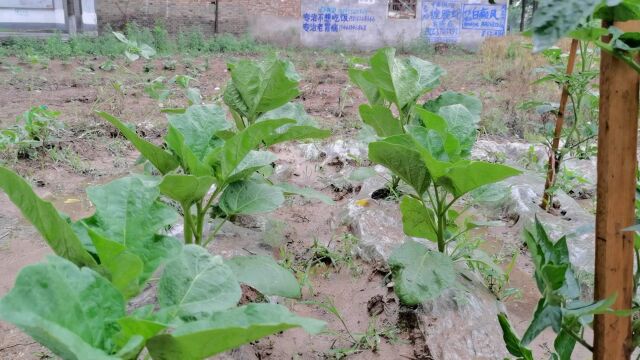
235	16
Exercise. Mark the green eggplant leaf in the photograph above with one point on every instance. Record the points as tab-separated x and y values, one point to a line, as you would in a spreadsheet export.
198	126
359	78
466	176
253	161
189	162
397	154
249	197
462	125
402	81
258	87
162	160
447	98
417	220
129	212
381	120
125	267
420	274
69	310
511	340
554	19
265	275
240	145
227	330
185	189
55	230
195	284
308	193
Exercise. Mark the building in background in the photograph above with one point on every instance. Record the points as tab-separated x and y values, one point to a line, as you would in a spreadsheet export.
42	17
362	24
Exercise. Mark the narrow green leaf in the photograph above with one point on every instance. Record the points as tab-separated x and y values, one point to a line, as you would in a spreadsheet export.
162	160
56	231
511	340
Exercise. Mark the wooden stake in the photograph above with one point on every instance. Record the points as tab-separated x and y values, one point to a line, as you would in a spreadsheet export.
617	163
554	154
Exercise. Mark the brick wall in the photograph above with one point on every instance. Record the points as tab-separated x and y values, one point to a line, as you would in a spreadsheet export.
235	16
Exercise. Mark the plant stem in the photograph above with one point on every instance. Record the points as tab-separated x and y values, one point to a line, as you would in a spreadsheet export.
200	214
578	338
214	232
188	224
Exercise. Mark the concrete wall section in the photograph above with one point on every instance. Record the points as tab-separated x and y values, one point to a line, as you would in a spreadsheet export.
43	16
367	24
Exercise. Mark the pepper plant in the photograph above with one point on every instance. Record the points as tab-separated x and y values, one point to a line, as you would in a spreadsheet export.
561	307
75	303
211	167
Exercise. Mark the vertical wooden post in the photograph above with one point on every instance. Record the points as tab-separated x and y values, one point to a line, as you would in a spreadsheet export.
617	163
554	155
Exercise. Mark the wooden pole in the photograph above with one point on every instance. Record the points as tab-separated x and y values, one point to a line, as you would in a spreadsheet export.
617	163
554	154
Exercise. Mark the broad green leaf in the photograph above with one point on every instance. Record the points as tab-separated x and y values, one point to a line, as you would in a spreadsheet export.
545	316
125	268
189	161
258	87
381	120
265	275
402	81
239	146
553	19
185	189
291	111
129	212
306	192
511	340
254	161
464	177
396	154
417	220
439	143
305	127
584	311
227	330
359	78
621	11
564	344
198	126
447	98
162	160
196	284
420	274
249	197
462	125
69	310
588	33
56	231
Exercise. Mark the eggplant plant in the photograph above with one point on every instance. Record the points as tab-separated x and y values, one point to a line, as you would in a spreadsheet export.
211	167
75	303
427	146
561	307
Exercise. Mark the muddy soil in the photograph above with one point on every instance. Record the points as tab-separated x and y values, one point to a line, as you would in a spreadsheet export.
96	154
